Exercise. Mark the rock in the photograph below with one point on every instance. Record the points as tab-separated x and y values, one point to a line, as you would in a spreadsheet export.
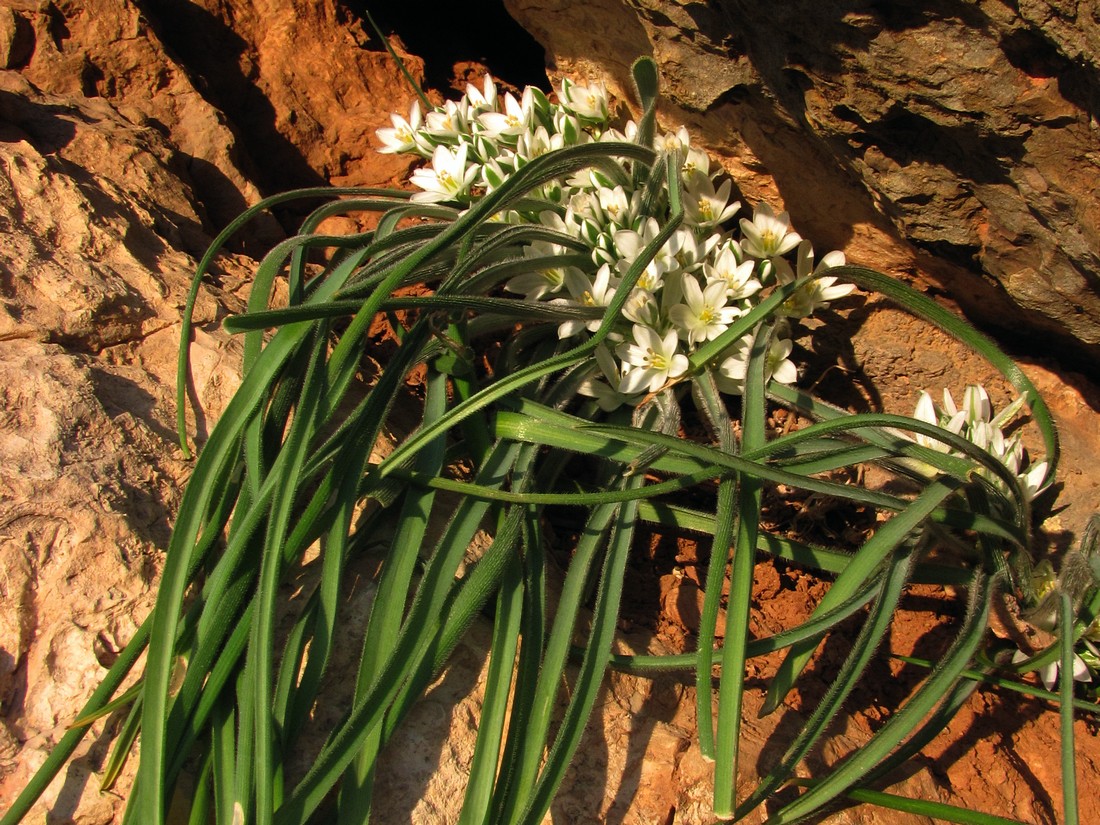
258	98
106	49
116	171
296	83
99	223
16	39
83	497
956	147
131	132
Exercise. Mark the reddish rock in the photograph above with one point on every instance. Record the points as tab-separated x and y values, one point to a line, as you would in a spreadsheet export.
939	147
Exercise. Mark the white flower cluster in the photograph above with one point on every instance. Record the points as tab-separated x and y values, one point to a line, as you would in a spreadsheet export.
702	279
975	422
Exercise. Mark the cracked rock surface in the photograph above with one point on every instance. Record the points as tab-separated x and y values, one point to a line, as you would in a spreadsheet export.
959	140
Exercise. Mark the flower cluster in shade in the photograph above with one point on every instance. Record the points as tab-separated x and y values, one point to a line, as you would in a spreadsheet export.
1086	659
975	421
710	272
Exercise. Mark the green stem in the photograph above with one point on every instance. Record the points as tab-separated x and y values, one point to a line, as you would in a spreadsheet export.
1065	684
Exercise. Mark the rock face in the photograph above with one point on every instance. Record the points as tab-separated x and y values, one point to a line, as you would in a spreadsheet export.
115	171
97	222
256	97
959	140
943	147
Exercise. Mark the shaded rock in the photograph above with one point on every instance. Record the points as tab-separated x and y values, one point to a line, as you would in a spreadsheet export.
98	220
295	81
115	169
16	38
957	141
106	49
82	500
256	98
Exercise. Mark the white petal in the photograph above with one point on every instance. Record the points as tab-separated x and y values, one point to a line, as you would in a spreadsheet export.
647	338
635	381
693	295
679	366
949	402
785	372
1080	670
926	409
1049	675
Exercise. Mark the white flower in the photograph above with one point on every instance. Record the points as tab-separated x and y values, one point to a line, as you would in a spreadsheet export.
1048	673
1034	480
493	174
976	423
631	243
696	162
447	178
696	284
651	361
597	293
482	100
569	128
641	307
768	234
629	134
778	364
976	404
616	206
602	290
515	118
737	277
703	206
730	376
584	205
545	280
602	386
602	210
587	102
689	250
402	136
652	279
815	293
552	220
927	412
447	122
704	315
678	141
533	144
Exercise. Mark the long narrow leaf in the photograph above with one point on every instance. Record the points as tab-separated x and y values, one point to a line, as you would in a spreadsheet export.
731	688
908	716
870	556
587	685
